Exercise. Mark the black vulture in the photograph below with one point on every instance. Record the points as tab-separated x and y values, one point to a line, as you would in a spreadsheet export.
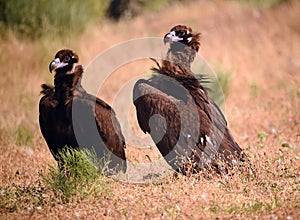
172	106
69	116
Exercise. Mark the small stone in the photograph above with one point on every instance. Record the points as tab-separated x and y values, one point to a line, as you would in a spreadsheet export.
204	196
77	215
256	13
39	208
273	130
169	195
2	191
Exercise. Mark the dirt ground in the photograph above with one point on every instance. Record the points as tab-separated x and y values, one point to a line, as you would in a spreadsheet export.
260	46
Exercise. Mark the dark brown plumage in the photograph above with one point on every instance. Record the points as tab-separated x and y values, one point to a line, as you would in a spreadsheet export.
187	126
68	115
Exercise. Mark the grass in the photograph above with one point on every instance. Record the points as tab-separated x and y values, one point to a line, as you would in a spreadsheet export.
217	83
49	18
220	87
32	186
24	136
263	4
20	197
265	190
154	5
78	179
262	138
254	89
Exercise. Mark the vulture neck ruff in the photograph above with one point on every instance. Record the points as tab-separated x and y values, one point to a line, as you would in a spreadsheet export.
181	55
65	84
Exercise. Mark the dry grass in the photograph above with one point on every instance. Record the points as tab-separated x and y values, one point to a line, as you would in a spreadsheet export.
262	47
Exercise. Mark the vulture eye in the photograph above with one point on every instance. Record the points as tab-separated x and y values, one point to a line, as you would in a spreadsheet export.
66	59
180	33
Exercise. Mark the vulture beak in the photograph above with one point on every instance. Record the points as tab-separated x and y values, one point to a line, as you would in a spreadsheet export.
171	37
54	64
167	38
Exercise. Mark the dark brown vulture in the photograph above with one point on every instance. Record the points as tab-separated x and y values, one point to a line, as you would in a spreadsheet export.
69	116
172	106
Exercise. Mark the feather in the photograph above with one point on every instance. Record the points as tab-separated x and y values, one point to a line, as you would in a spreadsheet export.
195	130
69	116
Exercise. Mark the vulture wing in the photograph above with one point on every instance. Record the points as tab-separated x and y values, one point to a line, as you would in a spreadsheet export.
186	128
55	124
172	123
46	114
95	125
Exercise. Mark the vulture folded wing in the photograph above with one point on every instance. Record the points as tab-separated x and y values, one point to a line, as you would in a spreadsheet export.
95	125
47	119
213	124
193	131
169	121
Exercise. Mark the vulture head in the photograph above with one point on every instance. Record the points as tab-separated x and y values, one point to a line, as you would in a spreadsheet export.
182	35
64	62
